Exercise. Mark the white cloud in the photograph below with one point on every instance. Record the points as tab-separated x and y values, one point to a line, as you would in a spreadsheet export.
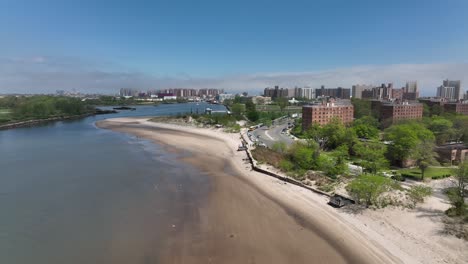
43	74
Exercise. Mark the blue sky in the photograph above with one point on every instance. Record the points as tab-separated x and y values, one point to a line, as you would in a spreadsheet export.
103	45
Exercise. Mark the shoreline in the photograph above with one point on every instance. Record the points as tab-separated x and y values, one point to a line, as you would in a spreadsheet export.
37	122
314	220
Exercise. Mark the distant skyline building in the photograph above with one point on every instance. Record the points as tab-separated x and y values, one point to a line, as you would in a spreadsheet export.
357	89
411	87
446	92
387	92
308	92
382	92
450	90
411	91
276	92
341	93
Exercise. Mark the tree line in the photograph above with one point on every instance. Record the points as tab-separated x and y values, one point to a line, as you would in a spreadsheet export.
42	106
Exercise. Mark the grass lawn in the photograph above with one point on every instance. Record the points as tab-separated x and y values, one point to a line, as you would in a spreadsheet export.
430	173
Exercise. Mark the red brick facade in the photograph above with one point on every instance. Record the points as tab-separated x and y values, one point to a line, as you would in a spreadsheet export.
390	112
323	114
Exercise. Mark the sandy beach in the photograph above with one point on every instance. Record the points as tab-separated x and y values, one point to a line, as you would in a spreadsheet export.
252	218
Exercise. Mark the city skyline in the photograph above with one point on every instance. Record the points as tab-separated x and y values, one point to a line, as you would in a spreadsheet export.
101	47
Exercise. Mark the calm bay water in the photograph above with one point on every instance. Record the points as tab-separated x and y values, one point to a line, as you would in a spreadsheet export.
73	193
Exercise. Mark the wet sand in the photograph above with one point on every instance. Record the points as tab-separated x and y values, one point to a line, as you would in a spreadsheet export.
245	220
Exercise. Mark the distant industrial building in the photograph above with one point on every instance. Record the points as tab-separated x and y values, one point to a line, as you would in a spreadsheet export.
390	112
323	113
341	93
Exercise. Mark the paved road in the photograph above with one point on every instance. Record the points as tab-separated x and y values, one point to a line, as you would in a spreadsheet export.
271	135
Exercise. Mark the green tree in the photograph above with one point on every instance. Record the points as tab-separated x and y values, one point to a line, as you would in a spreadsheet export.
424	155
443	129
280	147
460	123
366	127
458	194
368	188
302	156
315	134
340	161
372	155
238	109
335	134
404	139
282	102
253	115
362	108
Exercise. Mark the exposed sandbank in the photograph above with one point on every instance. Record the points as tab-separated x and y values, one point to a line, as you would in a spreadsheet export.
250	218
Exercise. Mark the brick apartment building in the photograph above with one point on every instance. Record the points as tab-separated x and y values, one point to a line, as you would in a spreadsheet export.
390	112
452	152
459	107
325	112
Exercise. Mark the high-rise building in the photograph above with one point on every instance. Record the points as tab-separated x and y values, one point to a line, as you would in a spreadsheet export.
450	90
341	93
308	93
276	92
356	91
411	87
446	92
383	92
411	91
398	94
128	92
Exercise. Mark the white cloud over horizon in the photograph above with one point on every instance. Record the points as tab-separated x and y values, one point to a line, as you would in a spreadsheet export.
46	75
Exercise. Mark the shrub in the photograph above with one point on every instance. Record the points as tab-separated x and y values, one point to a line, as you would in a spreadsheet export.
368	188
286	165
459	207
417	194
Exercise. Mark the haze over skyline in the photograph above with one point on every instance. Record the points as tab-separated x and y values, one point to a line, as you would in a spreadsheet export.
236	46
